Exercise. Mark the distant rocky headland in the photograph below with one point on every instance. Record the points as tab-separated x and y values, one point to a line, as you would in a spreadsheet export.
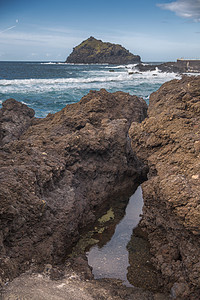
180	66
93	51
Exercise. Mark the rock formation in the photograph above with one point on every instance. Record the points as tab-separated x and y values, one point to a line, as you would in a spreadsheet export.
55	172
93	51
71	286
15	118
59	171
169	142
181	66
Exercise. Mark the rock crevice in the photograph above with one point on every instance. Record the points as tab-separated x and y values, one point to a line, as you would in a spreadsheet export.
59	170
168	141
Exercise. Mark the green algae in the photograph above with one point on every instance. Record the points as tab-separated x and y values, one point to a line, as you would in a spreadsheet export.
93	237
84	242
140	272
99	230
107	217
102	230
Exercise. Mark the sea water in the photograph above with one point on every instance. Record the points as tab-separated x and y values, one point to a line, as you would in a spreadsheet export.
112	260
47	87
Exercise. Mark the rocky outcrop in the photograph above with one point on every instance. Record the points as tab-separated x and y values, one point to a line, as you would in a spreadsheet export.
15	118
71	286
181	66
93	51
59	171
169	142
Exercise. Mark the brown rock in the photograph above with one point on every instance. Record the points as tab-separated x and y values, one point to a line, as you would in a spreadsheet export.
72	287
168	142
59	171
15	118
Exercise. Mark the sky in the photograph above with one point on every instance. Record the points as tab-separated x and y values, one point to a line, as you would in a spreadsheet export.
46	30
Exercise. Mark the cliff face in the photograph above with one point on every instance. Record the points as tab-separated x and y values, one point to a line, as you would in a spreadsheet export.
58	171
96	51
169	142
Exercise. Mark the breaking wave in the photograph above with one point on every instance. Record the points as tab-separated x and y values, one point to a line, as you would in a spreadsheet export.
53	63
49	86
131	76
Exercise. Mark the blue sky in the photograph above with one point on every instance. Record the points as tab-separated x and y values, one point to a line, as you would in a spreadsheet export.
157	30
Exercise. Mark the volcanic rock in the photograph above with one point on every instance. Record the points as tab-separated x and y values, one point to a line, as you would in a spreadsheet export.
59	171
93	51
168	141
15	118
180	66
72	287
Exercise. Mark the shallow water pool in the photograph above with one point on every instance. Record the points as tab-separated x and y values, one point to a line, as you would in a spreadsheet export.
112	259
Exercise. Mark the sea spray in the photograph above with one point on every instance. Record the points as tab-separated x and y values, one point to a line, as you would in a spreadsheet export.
48	86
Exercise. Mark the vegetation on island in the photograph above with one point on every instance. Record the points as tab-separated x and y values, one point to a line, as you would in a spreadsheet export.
96	51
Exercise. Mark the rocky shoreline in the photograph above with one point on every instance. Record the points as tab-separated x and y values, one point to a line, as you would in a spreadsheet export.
180	67
169	142
72	286
60	171
56	172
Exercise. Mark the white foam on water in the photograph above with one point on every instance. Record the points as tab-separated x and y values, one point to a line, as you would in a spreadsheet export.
27	85
121	66
96	72
116	67
31	81
48	63
97	79
24	103
131	66
52	63
192	74
156	75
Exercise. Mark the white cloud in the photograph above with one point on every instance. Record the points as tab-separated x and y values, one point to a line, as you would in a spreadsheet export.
189	9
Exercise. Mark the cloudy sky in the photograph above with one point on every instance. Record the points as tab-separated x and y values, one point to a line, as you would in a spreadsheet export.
157	30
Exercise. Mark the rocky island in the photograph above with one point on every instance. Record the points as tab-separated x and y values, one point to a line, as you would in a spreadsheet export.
58	171
93	51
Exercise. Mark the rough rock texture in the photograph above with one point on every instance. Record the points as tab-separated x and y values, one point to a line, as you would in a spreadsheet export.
71	286
169	142
15	118
59	171
95	51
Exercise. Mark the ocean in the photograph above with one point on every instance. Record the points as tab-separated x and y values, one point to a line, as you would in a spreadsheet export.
47	87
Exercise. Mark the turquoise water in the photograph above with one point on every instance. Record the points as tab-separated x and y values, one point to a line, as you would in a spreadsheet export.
48	87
